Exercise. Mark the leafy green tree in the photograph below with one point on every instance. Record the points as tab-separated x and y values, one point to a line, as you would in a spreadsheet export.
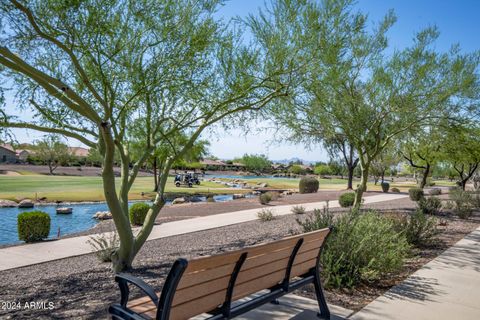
297	169
323	170
52	152
352	88
384	163
462	151
338	147
87	70
256	162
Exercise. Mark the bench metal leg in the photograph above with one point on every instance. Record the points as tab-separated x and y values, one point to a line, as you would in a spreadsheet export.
322	303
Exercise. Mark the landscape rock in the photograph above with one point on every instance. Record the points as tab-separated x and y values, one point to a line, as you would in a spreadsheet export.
64	210
287	192
26	203
179	200
103	215
263	185
7	204
238	196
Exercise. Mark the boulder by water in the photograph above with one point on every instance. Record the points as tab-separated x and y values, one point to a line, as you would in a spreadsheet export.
26	203
7	204
64	210
179	200
103	215
238	196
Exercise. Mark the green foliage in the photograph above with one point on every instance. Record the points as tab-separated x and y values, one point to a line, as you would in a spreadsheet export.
265	198
461	202
297	169
298	210
395	190
418	228
435	191
416	194
274	195
430	205
138	211
385	186
33	226
308	185
52	152
256	163
363	247
265	215
347	199
104	245
323	170
319	219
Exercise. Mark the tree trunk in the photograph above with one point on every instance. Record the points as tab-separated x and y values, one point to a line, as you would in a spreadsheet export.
363	185
426	172
155	188
351	170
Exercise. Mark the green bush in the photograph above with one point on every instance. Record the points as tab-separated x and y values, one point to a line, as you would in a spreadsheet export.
419	229
416	194
265	215
138	212
385	186
33	226
265	198
430	205
298	209
435	191
461	202
363	247
395	189
274	195
308	185
347	199
319	219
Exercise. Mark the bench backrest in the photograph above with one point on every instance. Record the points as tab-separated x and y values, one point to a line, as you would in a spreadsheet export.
207	282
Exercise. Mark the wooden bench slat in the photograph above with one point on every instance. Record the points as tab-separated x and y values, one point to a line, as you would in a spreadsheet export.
198	306
198	291
138	301
195	278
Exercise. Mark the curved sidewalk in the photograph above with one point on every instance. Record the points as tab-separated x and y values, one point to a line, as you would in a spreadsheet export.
24	255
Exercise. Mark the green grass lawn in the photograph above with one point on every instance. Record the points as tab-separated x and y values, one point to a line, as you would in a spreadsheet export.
68	188
335	184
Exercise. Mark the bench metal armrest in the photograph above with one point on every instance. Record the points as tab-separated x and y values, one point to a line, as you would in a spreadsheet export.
124	279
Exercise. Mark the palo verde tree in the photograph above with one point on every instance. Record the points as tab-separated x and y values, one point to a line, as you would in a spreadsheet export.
52	152
353	88
87	69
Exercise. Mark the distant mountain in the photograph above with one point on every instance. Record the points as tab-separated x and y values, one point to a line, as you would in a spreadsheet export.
287	161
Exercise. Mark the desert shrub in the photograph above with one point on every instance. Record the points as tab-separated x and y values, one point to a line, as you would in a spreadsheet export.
416	194
265	215
33	226
347	199
319	219
274	195
104	245
385	186
308	185
210	198
475	195
265	198
395	189
461	203
138	212
363	247
435	191
431	205
419	229
298	209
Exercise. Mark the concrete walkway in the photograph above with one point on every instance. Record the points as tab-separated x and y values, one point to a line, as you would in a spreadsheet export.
448	287
24	255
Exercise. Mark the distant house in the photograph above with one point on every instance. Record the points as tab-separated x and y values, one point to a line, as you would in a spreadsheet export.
7	154
236	166
278	167
22	154
211	164
78	152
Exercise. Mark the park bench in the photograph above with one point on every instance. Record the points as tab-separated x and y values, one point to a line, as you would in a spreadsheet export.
217	284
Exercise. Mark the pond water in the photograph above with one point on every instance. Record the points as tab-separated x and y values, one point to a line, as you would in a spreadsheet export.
80	220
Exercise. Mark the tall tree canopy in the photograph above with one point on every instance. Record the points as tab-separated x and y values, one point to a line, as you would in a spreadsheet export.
87	69
353	88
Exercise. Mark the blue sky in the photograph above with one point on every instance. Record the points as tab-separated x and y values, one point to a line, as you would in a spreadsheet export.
457	21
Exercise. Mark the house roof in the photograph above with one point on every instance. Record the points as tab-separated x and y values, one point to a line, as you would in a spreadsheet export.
7	147
79	151
210	162
238	164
